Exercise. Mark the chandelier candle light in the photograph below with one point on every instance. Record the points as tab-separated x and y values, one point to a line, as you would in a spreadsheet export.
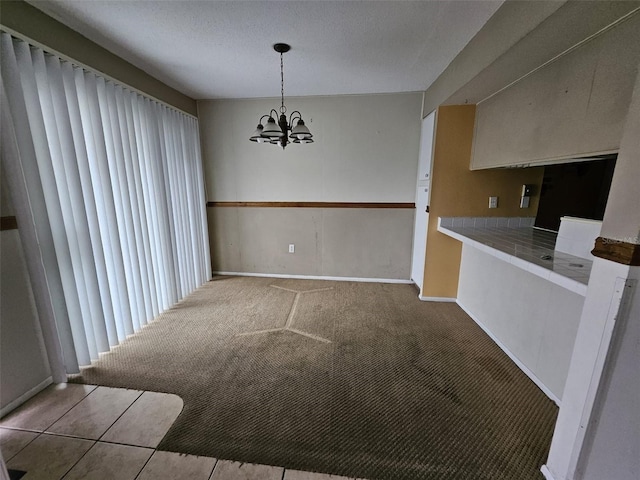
275	132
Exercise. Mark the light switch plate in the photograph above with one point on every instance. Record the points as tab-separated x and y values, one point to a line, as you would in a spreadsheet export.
524	202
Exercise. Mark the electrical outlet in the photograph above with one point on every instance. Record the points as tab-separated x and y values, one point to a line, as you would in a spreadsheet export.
292	248
493	202
524	202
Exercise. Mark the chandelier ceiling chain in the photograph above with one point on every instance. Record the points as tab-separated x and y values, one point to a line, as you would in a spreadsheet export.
283	109
279	131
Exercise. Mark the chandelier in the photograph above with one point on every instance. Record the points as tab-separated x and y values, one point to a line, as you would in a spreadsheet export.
277	130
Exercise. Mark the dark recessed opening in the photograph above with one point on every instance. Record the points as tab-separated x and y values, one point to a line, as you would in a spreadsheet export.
16	474
578	189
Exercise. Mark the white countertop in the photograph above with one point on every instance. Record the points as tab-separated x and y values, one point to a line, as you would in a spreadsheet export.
525	247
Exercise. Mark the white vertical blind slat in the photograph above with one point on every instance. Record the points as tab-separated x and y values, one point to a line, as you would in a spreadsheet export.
18	137
93	320
173	235
176	206
88	199
54	209
203	232
189	175
110	223
190	206
158	165
152	230
129	145
156	199
192	186
123	255
82	332
124	207
115	183
101	223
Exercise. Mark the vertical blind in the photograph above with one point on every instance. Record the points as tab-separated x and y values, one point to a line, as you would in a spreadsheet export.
117	179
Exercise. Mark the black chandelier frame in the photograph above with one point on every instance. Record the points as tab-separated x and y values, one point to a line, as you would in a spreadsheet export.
279	130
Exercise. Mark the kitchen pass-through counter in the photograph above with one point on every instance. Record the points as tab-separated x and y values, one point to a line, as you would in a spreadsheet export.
514	240
522	291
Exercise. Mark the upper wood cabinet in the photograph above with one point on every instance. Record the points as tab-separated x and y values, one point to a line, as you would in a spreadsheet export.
574	106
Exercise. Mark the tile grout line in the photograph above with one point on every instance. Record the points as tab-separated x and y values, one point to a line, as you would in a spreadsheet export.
64	435
95	442
77	461
128	445
210	477
145	463
33	430
6	460
119	417
72	407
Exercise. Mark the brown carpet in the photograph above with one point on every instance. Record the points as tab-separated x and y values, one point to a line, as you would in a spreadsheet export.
366	381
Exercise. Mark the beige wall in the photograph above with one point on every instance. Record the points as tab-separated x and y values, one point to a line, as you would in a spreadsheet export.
511	22
365	150
517	39
34	24
329	242
575	106
457	191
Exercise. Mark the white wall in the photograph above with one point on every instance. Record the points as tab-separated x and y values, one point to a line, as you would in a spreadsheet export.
24	368
622	215
598	423
533	318
614	450
365	150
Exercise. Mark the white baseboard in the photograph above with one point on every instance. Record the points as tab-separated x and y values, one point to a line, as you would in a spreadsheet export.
25	396
317	277
515	359
437	299
547	474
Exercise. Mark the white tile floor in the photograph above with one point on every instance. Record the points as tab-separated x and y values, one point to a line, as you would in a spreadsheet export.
74	432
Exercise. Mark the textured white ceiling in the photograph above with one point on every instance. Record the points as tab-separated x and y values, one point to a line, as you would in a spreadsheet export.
223	49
